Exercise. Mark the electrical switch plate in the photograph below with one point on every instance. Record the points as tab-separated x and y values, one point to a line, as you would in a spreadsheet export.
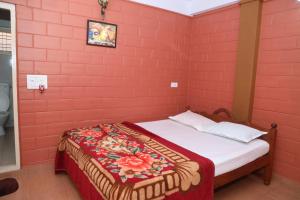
174	84
34	81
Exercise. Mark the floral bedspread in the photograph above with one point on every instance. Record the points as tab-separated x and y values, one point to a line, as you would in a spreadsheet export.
124	161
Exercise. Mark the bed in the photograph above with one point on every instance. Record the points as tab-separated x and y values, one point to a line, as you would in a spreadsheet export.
263	163
190	163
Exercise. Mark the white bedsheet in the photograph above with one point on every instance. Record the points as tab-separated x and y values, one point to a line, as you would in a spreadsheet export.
226	154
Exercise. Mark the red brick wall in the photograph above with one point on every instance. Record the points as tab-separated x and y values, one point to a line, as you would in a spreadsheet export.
277	92
214	40
277	96
87	84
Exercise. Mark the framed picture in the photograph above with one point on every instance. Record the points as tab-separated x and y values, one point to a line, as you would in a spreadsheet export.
101	34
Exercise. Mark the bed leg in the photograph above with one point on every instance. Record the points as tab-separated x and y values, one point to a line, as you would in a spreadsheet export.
267	175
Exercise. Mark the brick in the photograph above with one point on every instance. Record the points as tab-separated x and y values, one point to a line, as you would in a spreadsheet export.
146	32
90	3
27	119
31	54
79	81
131	30
25	67
291	29
25	26
73	20
57	56
25	40
52	153
46	16
130	41
56	5
46	42
290	56
79	33
60	105
22	80
95	70
32	106
123	51
71	44
29	131
34	3
48	117
128	61
72	92
275	69
72	116
46	68
279	43
84	58
128	8
60	30
51	93
28	144
47	141
116	78
24	12
112	60
24	93
81	104
18	2
58	80
81	9
68	68
34	156
296	69
111	15
58	128
210	53
142	52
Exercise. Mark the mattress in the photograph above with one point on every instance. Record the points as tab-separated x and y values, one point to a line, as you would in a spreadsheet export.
226	154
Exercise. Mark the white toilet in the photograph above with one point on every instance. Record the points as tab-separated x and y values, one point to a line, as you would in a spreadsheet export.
4	106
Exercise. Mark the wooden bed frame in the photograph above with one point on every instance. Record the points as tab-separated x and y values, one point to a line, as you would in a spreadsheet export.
264	163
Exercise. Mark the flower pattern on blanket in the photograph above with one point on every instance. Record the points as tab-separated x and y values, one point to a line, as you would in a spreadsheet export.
120	153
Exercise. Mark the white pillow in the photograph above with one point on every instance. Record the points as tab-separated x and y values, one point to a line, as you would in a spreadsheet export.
192	119
234	131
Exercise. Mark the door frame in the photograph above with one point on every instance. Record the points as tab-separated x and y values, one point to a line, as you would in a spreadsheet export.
12	9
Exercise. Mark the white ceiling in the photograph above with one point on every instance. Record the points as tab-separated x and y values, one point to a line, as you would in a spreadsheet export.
187	7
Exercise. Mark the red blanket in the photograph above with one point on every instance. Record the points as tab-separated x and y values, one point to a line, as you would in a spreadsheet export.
124	161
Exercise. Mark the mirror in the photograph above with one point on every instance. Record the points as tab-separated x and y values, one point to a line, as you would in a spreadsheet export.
9	143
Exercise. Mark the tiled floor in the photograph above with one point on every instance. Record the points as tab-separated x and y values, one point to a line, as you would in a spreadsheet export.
39	182
252	188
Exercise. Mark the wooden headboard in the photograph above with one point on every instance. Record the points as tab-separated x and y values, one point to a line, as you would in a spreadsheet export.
222	114
219	115
265	162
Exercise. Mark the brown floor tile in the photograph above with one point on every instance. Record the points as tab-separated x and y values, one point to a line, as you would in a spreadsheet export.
39	182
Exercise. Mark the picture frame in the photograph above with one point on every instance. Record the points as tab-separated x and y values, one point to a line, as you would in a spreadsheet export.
101	34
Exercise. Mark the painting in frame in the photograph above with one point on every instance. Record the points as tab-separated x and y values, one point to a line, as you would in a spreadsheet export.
101	34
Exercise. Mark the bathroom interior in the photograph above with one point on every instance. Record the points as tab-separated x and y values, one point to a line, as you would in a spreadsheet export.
7	141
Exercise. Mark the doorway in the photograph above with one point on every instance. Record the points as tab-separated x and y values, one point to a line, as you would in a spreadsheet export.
9	130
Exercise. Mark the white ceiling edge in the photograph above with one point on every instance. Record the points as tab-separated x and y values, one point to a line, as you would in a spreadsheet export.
197	7
178	6
187	7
